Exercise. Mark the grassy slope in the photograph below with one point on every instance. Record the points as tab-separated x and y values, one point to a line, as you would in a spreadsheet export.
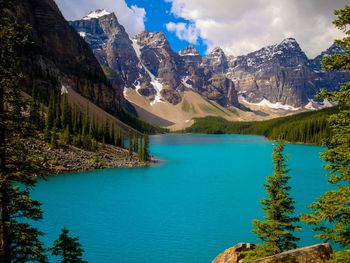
307	127
125	122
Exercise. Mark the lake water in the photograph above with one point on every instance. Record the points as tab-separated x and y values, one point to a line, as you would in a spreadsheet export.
197	202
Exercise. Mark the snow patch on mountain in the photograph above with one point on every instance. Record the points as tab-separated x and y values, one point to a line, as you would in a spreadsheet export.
277	105
82	34
154	82
314	105
64	90
268	104
188	54
96	14
184	82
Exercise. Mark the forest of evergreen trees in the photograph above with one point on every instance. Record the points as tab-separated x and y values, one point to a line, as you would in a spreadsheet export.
307	127
66	124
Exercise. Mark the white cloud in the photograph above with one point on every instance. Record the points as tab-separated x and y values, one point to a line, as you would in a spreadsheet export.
132	18
184	31
242	26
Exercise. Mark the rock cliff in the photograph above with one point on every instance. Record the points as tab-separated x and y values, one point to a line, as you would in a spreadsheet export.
60	58
149	65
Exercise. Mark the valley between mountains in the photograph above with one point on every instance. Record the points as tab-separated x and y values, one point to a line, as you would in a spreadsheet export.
170	89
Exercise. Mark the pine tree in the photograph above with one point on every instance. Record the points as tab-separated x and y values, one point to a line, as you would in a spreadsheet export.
331	212
50	116
19	241
122	139
57	110
54	138
34	113
106	131
145	152
140	151
112	135
276	231
136	143
130	144
65	112
67	248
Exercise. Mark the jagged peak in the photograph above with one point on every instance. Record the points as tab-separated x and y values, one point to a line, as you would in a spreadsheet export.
96	14
289	43
217	51
189	51
152	39
334	49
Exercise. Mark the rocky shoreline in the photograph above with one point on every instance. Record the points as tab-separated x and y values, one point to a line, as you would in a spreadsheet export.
68	159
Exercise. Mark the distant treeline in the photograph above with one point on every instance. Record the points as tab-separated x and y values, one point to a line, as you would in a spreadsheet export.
307	127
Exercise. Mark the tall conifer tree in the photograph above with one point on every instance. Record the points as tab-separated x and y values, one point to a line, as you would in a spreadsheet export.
19	241
331	212
67	248
276	231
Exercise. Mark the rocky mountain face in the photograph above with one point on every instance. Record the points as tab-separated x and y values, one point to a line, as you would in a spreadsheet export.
59	58
283	73
279	73
148	64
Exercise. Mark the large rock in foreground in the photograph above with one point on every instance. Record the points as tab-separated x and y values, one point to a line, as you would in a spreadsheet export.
320	253
233	254
313	254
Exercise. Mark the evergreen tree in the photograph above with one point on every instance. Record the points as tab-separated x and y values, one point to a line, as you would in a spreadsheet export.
136	143
145	152
331	212
106	131
19	241
130	144
50	116
57	110
140	150
65	137
34	113
65	112
112	135
54	138
67	248
122	139
276	231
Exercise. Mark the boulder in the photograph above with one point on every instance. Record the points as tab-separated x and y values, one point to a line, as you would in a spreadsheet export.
233	254
319	253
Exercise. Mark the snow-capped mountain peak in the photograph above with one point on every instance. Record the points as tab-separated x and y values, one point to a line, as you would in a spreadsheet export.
189	51
96	14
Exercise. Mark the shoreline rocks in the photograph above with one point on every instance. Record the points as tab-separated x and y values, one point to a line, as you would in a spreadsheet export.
320	253
68	159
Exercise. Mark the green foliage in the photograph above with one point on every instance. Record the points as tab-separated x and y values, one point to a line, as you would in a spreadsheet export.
260	251
67	248
145	150
340	257
19	241
308	127
130	144
76	127
34	113
330	214
276	231
136	143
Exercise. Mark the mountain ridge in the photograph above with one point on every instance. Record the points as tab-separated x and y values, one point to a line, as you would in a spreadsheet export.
276	77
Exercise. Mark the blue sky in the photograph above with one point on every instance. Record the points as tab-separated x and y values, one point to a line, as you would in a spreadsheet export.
237	26
158	14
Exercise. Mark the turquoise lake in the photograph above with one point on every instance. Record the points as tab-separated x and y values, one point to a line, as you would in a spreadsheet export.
197	202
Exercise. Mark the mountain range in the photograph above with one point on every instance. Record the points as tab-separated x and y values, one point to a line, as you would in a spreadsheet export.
168	87
119	76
